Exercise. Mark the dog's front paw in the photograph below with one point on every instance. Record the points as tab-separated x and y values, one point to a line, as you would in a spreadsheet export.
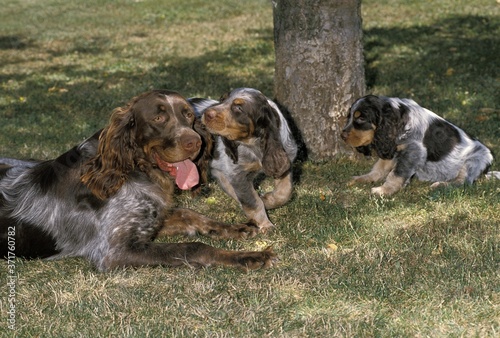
265	227
381	191
254	260
242	231
247	231
360	179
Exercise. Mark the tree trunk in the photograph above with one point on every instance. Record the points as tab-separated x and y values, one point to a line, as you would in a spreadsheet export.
319	68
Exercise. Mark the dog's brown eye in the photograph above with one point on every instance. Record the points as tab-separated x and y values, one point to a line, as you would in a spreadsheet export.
159	118
237	108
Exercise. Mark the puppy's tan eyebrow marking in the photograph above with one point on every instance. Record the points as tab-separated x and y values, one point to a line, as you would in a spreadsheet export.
238	101
357	114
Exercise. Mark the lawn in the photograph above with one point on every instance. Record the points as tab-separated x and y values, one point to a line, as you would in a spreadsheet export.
421	263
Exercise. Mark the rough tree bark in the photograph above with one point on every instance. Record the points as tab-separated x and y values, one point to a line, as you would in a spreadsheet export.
319	68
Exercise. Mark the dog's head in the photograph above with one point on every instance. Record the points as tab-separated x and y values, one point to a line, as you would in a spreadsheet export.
154	130
237	115
161	124
245	115
374	122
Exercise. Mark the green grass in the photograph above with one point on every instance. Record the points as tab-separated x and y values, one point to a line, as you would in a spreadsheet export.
422	263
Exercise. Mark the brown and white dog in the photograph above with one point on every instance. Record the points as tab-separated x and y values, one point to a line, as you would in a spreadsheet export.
252	137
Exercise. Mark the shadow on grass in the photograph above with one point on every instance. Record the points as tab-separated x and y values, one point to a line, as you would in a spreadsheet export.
455	256
213	73
450	67
441	61
12	42
468	45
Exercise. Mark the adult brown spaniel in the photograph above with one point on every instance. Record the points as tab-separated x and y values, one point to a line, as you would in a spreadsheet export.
110	197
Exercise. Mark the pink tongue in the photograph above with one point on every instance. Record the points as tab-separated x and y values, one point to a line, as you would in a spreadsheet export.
187	174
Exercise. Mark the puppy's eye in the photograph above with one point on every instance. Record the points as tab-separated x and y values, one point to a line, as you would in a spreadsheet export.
237	108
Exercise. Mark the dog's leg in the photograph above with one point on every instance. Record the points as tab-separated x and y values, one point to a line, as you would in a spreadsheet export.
188	254
240	187
405	164
281	193
378	172
391	185
252	204
459	180
189	222
225	184
257	213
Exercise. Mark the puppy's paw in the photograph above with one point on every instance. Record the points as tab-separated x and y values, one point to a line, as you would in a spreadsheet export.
361	179
381	191
439	184
265	227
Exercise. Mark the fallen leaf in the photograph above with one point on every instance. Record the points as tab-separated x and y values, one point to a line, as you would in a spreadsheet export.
332	247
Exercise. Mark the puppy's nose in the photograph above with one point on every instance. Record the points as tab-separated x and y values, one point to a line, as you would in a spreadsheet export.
209	115
344	135
190	142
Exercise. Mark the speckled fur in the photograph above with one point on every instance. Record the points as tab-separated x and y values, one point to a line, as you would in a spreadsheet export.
107	199
266	147
416	141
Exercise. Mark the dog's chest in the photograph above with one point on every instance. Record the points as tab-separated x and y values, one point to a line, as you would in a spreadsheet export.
248	157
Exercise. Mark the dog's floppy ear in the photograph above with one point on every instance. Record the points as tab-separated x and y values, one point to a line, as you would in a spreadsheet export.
106	172
224	97
275	161
206	152
365	150
231	148
390	123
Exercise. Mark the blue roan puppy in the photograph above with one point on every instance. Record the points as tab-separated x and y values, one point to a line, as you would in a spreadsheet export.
412	141
251	137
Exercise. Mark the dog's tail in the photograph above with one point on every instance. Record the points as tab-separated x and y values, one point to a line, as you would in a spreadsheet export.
13	162
493	175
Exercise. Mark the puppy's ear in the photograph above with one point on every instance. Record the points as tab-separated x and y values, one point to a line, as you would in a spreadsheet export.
106	172
231	148
365	150
390	124
275	161
224	97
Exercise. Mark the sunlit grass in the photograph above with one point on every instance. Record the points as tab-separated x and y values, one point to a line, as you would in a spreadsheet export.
421	263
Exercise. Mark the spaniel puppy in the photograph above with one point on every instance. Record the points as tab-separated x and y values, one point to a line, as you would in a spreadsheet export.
411	140
252	137
111	196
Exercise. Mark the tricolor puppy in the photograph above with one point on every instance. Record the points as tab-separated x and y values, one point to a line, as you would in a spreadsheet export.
412	141
251	137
